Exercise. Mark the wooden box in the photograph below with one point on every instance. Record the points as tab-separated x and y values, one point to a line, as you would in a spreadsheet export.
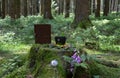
42	33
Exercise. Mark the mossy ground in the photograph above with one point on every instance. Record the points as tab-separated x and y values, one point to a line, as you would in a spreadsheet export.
38	65
103	71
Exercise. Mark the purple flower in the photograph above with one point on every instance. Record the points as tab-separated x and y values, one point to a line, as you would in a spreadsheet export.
74	55
76	58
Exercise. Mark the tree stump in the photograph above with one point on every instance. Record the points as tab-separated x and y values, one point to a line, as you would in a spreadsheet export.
39	60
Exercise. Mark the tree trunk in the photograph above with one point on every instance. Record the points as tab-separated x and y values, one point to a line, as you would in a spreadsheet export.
81	14
17	8
29	7
118	6
41	7
110	6
47	9
61	6
38	6
106	7
94	6
12	8
24	7
113	5
34	7
67	8
90	6
102	5
3	8
72	5
0	8
97	13
7	7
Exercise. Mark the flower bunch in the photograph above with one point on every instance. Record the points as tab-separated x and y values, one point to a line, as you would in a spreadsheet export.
75	59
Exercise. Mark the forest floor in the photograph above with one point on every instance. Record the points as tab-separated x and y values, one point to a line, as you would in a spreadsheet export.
110	57
15	40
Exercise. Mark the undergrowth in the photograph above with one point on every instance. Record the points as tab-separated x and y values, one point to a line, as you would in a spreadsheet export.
18	35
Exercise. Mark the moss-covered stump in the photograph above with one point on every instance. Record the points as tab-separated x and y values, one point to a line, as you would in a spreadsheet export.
81	73
40	57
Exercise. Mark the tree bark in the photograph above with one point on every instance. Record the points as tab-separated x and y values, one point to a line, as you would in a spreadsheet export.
106	7
24	7
81	14
61	6
3	8
97	12
110	6
90	6
113	5
67	8
47	9
118	6
7	7
29	7
94	6
0	8
72	6
17	8
41	7
38	6
34	7
12	8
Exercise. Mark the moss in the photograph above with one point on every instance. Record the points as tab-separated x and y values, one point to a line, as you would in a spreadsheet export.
39	62
103	71
42	68
18	73
81	73
38	65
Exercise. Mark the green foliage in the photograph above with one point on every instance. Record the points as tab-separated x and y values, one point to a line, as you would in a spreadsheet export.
20	72
68	59
96	76
83	65
109	29
11	64
83	58
5	22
